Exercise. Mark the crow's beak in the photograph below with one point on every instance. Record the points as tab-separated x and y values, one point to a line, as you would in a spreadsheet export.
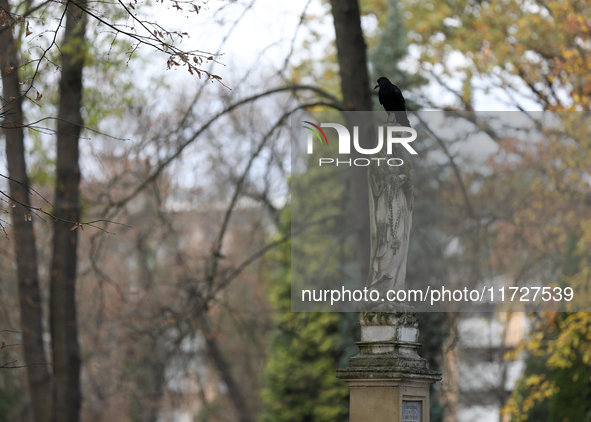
377	86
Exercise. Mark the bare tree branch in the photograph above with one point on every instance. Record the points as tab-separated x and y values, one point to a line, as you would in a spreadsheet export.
334	103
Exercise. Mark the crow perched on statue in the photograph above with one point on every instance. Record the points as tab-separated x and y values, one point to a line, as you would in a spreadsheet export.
392	100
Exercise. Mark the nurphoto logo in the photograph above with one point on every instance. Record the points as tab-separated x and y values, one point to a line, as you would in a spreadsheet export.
392	134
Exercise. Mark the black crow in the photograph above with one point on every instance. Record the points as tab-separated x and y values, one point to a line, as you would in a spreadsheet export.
392	100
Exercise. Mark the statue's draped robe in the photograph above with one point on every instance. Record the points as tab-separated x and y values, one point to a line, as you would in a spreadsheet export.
390	203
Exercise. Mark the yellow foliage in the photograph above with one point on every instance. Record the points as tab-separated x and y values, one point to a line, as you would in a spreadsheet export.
542	44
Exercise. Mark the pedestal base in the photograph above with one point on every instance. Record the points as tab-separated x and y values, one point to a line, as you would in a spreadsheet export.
389	381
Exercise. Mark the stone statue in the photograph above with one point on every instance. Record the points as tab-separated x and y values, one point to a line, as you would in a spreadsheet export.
388	379
390	208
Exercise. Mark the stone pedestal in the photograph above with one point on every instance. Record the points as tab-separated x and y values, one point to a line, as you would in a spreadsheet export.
389	381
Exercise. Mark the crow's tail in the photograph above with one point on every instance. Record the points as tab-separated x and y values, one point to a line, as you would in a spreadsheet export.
401	118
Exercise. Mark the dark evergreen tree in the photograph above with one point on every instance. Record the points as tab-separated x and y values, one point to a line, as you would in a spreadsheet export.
300	382
390	48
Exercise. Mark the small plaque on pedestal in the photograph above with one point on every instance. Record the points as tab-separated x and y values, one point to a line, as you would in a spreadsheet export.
411	411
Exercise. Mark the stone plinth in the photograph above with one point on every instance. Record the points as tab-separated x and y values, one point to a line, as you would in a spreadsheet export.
389	381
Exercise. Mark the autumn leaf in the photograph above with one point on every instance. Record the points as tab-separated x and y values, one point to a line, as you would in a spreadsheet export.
39	96
27	30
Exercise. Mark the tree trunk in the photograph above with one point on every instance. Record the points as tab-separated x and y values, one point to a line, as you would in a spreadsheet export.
66	350
234	390
352	55
355	87
450	390
25	251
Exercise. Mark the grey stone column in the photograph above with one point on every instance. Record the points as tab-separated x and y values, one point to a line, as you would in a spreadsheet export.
388	379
